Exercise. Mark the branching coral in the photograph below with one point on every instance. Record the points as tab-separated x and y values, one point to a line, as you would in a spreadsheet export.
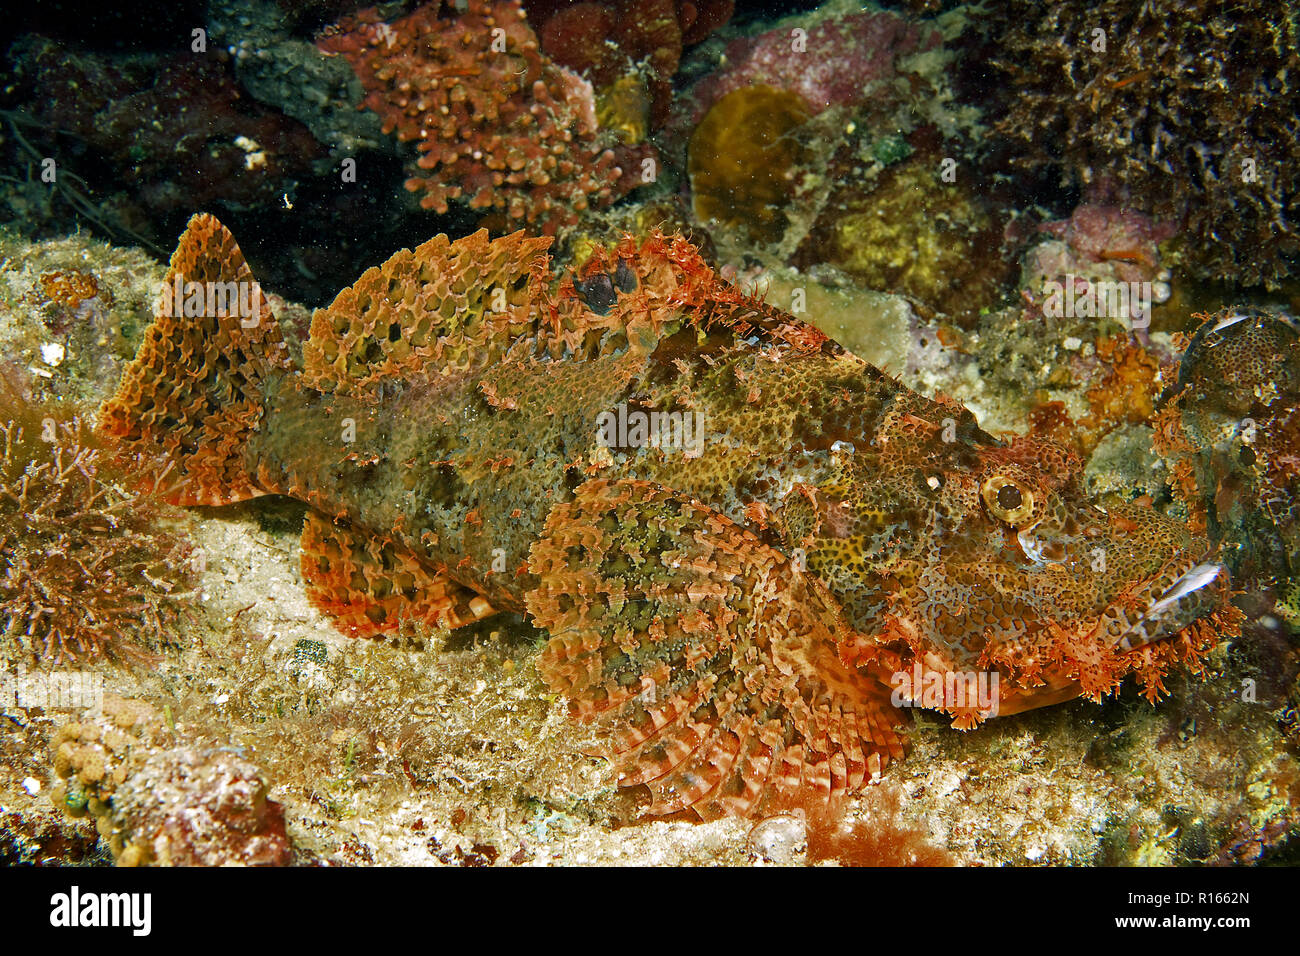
496	122
87	570
1189	107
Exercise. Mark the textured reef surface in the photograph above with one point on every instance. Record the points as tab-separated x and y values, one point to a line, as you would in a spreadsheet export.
650	433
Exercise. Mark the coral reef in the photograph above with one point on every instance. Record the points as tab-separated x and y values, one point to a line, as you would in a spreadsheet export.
1123	242
606	41
1183	110
866	80
495	121
93	756
623	108
171	133
1126	393
1073	378
61	342
910	231
881	175
833	139
70	288
89	570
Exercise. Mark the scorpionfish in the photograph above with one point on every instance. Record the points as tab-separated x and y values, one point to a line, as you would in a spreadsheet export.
746	602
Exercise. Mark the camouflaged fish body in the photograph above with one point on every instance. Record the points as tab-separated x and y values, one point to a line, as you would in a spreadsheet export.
749	546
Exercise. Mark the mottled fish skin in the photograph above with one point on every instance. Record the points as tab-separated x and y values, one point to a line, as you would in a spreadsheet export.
745	606
459	476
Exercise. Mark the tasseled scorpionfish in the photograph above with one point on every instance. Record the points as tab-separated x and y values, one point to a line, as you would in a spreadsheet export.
751	549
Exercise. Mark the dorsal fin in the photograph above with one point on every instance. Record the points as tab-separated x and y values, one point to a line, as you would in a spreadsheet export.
443	305
643	290
446	306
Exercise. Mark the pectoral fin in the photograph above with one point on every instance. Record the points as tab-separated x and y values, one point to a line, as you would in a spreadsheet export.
708	659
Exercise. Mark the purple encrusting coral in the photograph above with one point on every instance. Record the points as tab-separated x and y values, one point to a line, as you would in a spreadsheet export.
837	62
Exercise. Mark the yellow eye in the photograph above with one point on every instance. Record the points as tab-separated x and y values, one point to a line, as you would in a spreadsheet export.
1008	499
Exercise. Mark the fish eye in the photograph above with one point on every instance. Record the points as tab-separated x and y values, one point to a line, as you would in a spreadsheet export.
1010	500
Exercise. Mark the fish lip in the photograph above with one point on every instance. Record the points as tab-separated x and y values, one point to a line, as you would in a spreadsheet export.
1198	575
1029	545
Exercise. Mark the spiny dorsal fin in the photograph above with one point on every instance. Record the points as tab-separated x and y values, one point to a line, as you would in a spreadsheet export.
645	289
446	306
442	306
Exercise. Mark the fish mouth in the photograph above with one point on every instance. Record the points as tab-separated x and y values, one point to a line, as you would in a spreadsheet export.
1187	596
1174	616
1179	595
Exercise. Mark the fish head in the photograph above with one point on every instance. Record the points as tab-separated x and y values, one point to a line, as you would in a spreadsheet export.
991	562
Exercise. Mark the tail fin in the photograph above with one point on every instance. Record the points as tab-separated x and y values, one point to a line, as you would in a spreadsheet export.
195	389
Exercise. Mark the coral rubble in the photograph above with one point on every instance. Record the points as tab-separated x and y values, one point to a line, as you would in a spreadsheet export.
155	805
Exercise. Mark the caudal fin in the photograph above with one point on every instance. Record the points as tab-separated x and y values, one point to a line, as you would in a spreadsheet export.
194	392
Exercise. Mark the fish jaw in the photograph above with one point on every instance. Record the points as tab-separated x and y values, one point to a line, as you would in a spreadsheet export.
1067	605
1174	617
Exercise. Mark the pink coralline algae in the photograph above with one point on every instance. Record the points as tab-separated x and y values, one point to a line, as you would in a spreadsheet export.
836	62
1100	251
1097	234
496	122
